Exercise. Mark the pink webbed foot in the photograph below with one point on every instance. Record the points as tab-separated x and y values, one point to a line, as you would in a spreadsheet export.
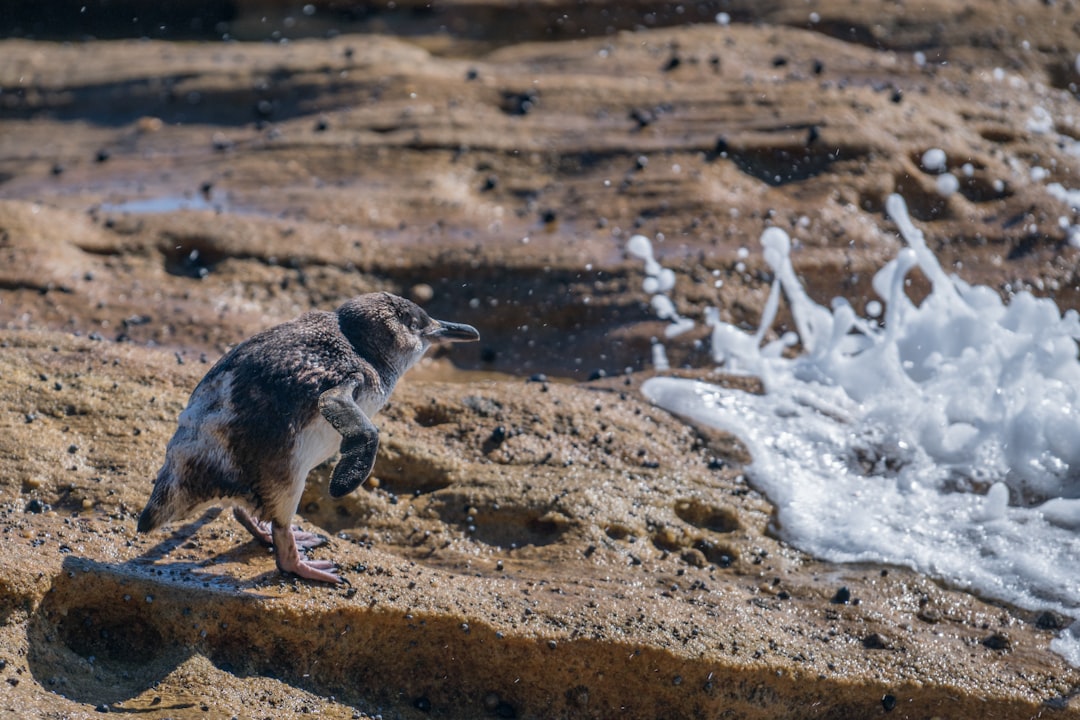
289	560
261	531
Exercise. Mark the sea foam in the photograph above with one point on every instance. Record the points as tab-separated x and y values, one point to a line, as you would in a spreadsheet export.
943	436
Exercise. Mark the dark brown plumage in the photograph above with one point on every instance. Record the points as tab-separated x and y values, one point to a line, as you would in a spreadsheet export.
282	402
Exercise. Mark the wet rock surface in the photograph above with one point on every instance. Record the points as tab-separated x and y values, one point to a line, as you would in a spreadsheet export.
555	548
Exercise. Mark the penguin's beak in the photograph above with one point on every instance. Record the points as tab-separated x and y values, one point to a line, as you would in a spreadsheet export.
452	332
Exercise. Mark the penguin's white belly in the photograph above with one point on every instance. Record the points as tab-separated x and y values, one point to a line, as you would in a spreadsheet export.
314	445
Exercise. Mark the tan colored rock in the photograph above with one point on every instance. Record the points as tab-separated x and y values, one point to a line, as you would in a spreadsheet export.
585	550
541	549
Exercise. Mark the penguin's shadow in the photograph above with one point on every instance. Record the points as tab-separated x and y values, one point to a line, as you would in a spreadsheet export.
108	632
245	550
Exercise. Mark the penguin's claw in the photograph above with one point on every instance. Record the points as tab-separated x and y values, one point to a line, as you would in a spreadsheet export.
289	561
261	531
314	570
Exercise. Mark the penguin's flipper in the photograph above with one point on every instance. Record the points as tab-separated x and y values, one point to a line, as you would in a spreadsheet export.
360	437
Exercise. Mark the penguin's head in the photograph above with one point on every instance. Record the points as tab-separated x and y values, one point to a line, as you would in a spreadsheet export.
382	325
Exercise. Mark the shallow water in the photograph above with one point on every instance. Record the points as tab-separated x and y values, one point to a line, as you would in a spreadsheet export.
939	436
162	204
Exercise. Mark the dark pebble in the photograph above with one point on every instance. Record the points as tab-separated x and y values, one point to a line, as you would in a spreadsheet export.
57	169
716	464
779	61
519	103
102	708
548	216
538	378
321	125
597	374
72	449
818	67
490	183
102	155
874	641
998	641
498	435
897	96
888	702
673	62
643	118
422	704
36	507
1050	620
842	597
472	74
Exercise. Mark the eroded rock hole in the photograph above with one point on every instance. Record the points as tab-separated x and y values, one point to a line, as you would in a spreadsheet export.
109	635
191	257
707	517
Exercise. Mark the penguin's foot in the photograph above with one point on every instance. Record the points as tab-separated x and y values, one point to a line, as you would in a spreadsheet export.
261	531
289	561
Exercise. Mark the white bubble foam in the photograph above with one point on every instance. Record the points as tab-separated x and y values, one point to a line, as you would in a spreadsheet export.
933	160
947	184
940	437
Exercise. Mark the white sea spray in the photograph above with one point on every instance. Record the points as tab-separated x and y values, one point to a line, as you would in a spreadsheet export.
942	436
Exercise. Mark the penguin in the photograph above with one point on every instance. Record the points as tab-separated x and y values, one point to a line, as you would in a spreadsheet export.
284	401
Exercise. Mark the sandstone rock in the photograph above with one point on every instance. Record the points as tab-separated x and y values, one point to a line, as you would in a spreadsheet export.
594	550
543	549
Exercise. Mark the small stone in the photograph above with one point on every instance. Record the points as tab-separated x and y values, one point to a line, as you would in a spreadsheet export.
876	641
888	702
842	597
36	507
1050	620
